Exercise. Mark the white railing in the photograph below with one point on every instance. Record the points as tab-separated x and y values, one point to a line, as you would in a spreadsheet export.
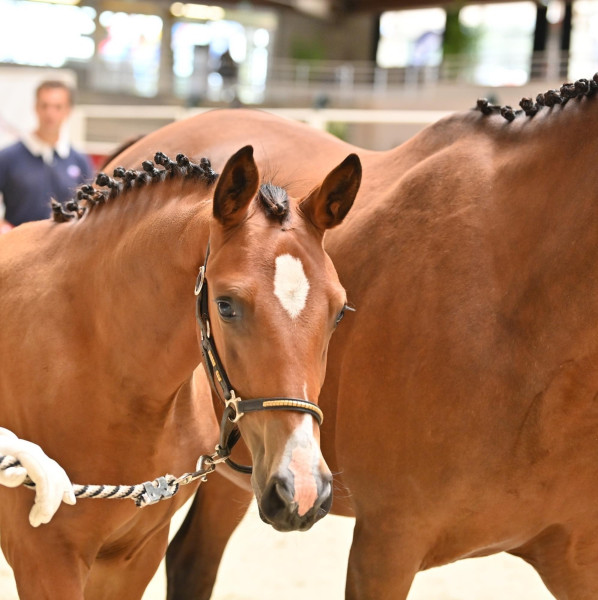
463	68
338	79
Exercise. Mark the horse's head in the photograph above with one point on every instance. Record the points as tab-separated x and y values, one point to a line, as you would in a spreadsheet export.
272	303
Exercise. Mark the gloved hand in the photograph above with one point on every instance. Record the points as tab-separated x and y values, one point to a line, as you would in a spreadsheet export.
52	485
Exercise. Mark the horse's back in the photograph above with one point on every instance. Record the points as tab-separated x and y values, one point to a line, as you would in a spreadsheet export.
277	142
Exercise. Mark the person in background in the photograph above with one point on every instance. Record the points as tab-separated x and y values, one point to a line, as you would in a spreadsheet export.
228	70
42	165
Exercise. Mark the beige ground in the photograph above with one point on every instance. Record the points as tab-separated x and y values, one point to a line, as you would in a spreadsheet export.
261	564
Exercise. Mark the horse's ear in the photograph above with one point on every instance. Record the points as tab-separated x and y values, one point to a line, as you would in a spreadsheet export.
237	185
328	204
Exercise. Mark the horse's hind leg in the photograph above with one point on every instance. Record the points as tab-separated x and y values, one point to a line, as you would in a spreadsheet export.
566	558
194	554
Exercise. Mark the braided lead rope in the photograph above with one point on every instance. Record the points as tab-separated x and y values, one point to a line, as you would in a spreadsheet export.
143	494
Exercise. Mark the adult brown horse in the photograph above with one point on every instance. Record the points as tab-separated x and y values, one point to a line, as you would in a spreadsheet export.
461	396
100	347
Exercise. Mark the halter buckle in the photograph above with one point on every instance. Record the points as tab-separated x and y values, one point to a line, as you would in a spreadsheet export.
233	404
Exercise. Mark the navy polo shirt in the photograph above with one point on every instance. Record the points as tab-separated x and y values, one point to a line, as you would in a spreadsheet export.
27	182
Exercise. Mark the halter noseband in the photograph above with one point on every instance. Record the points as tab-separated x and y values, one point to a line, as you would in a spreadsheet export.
235	407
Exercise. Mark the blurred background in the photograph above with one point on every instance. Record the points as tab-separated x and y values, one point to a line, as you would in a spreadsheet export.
372	72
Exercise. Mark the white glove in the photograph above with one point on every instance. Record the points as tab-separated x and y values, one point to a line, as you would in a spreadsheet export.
52	485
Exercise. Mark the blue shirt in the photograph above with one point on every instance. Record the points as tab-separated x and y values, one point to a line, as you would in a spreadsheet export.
27	182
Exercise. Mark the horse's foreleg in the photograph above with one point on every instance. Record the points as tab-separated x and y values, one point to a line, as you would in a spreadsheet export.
194	554
565	557
379	566
126	573
47	573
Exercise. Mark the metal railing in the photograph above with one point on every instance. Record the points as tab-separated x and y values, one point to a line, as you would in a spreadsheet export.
287	79
348	76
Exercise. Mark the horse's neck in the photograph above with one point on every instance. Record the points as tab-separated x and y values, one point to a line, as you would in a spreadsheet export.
512	182
137	280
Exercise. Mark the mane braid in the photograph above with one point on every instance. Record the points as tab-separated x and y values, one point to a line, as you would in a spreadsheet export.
274	200
88	197
568	91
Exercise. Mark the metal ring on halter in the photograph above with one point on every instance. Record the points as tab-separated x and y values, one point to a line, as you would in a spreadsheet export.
234	402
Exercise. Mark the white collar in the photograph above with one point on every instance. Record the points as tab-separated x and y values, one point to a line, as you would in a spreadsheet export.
38	147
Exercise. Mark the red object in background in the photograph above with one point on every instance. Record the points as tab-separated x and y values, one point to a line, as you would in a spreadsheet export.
98	160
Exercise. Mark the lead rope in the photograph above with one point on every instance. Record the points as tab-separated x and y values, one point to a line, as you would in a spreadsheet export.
144	494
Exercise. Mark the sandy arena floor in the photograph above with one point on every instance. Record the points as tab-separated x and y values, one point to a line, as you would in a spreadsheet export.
261	564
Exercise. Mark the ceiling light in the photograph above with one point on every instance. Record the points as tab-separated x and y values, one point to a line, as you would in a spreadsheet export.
201	12
68	2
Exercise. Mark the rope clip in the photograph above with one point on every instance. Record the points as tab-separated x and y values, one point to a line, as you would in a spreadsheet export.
191	477
206	464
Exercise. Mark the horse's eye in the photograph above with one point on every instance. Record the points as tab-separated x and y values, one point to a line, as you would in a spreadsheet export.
226	310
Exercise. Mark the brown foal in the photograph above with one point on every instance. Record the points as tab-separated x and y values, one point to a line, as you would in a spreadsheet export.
100	350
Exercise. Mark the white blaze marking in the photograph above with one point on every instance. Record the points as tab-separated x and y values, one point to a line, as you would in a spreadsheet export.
304	453
290	284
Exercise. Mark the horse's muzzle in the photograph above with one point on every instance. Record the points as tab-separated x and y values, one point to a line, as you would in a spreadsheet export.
278	508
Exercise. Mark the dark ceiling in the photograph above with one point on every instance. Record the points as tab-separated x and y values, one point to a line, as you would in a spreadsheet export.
326	8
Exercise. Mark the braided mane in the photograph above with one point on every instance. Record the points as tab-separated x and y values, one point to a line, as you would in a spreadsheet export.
273	199
88	197
568	91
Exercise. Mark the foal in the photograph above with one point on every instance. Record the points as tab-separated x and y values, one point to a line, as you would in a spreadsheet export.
100	349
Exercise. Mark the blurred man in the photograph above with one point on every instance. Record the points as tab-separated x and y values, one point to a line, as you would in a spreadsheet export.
42	165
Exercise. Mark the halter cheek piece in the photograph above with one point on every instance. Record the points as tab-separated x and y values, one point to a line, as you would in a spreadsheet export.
235	407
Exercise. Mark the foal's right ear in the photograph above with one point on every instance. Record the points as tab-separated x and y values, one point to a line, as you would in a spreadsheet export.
328	204
237	185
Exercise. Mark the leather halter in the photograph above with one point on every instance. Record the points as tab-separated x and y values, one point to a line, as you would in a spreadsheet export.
235	407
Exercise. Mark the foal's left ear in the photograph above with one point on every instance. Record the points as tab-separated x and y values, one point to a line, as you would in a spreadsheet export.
328	204
237	185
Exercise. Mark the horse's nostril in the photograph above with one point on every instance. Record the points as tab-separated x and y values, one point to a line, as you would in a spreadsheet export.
283	493
278	506
276	499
